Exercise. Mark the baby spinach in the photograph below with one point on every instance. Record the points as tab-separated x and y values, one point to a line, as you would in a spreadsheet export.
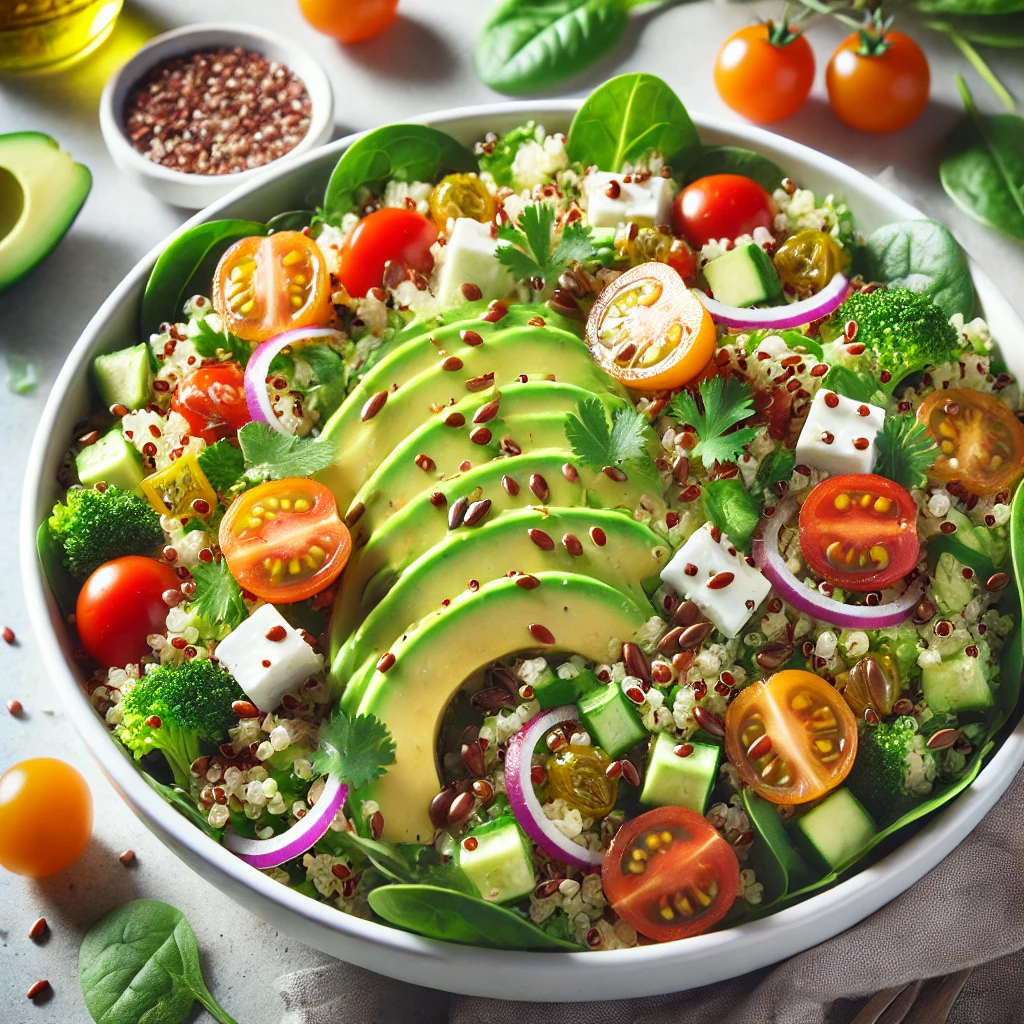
627	119
735	160
400	862
396	152
183	803
291	220
730	507
923	256
457	917
764	817
141	963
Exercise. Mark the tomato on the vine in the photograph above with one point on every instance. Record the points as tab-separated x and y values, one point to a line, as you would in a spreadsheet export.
212	401
389	235
765	72
349	21
721	206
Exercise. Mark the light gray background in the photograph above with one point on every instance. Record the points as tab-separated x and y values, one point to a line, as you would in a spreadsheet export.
421	64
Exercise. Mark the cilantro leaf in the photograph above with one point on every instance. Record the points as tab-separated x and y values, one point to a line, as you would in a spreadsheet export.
906	451
528	251
273	456
855	384
208	342
217	597
725	403
598	443
774	469
223	463
355	751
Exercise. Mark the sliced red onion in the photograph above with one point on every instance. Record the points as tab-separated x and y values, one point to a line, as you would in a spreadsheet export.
796	314
258	369
271	853
765	551
523	800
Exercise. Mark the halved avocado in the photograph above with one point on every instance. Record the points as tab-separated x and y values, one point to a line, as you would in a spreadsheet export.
583	615
41	191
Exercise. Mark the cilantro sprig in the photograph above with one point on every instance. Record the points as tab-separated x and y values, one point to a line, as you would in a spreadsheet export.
355	751
906	451
598	443
723	404
217	597
528	250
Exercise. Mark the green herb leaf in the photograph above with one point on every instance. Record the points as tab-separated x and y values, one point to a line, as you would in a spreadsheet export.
355	751
906	451
400	862
598	443
774	468
861	387
217	597
270	455
528	251
223	464
498	162
725	403
730	507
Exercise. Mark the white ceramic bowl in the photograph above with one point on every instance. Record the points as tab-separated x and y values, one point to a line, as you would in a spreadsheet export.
646	970
195	191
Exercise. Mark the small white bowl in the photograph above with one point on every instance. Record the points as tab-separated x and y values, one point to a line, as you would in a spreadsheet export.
194	191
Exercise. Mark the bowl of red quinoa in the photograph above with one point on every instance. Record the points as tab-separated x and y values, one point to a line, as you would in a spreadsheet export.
203	109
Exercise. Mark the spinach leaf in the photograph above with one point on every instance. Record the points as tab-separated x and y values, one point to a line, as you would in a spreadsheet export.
183	804
177	265
141	963
63	586
735	160
774	469
396	152
764	817
401	862
730	507
291	220
923	256
628	118
982	7
983	169
1012	665
457	917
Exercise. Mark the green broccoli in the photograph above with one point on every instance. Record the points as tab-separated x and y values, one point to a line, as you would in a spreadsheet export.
176	709
905	332
96	526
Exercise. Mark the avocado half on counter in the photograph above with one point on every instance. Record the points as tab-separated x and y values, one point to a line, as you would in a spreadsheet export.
41	191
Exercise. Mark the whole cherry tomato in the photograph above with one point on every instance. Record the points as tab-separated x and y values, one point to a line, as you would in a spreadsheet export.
349	21
392	234
212	400
721	206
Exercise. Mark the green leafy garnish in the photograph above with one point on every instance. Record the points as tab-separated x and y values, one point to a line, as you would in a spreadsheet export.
223	463
855	384
906	451
356	751
273	456
217	597
208	342
774	469
528	251
599	443
726	403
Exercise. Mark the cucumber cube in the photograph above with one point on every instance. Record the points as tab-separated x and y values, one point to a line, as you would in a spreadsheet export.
552	691
111	460
500	863
674	781
957	684
743	276
612	719
124	377
838	830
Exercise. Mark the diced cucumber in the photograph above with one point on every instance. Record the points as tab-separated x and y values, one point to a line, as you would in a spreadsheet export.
500	864
674	781
743	276
551	690
611	718
124	377
110	460
957	684
838	830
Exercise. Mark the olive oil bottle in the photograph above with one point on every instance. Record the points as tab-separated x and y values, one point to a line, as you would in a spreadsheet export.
38	34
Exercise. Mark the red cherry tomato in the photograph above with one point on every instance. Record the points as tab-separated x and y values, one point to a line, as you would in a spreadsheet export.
393	234
121	604
721	206
349	21
212	400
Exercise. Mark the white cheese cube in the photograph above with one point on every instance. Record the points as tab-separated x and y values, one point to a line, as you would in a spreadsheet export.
469	259
267	657
703	558
839	434
647	203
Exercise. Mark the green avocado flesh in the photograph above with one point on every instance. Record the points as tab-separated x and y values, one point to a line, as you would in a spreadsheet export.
41	191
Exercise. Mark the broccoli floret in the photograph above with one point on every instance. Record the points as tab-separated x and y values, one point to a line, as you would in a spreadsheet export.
191	702
903	331
96	526
893	770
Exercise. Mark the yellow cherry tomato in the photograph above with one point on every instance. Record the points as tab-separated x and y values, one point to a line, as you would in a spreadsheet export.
461	195
577	774
808	260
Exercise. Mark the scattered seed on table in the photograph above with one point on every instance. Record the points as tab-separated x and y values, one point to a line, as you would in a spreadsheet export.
38	988
8	635
127	858
15	708
38	930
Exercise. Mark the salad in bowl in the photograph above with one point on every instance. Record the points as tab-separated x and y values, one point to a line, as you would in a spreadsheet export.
570	542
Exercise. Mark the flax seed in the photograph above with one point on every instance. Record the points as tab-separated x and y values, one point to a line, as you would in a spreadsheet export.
127	858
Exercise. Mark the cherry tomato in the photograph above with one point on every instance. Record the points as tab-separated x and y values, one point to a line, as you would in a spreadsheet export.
808	260
121	604
669	874
721	206
858	531
460	195
649	331
45	816
577	774
392	234
212	400
266	286
349	21
765	72
792	738
283	540
981	442
654	245
882	88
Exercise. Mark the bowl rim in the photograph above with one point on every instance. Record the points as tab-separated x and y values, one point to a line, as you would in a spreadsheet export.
708	958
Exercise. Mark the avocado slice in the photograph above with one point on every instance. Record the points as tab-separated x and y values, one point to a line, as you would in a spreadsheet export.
584	616
41	191
632	556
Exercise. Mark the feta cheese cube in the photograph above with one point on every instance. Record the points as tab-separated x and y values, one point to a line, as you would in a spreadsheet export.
267	657
647	203
839	434
469	259
727	602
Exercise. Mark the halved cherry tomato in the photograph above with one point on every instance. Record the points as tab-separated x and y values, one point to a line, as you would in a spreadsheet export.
349	21
792	738
859	531
721	206
669	874
283	540
212	400
391	235
121	604
266	286
981	441
649	331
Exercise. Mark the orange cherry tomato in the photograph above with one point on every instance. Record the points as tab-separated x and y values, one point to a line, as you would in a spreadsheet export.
669	874
792	738
765	72
390	235
721	206
266	286
881	91
649	331
981	442
45	816
212	400
349	21
858	531
283	540
121	604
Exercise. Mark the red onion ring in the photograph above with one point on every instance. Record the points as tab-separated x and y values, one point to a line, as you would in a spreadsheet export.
523	800
778	318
